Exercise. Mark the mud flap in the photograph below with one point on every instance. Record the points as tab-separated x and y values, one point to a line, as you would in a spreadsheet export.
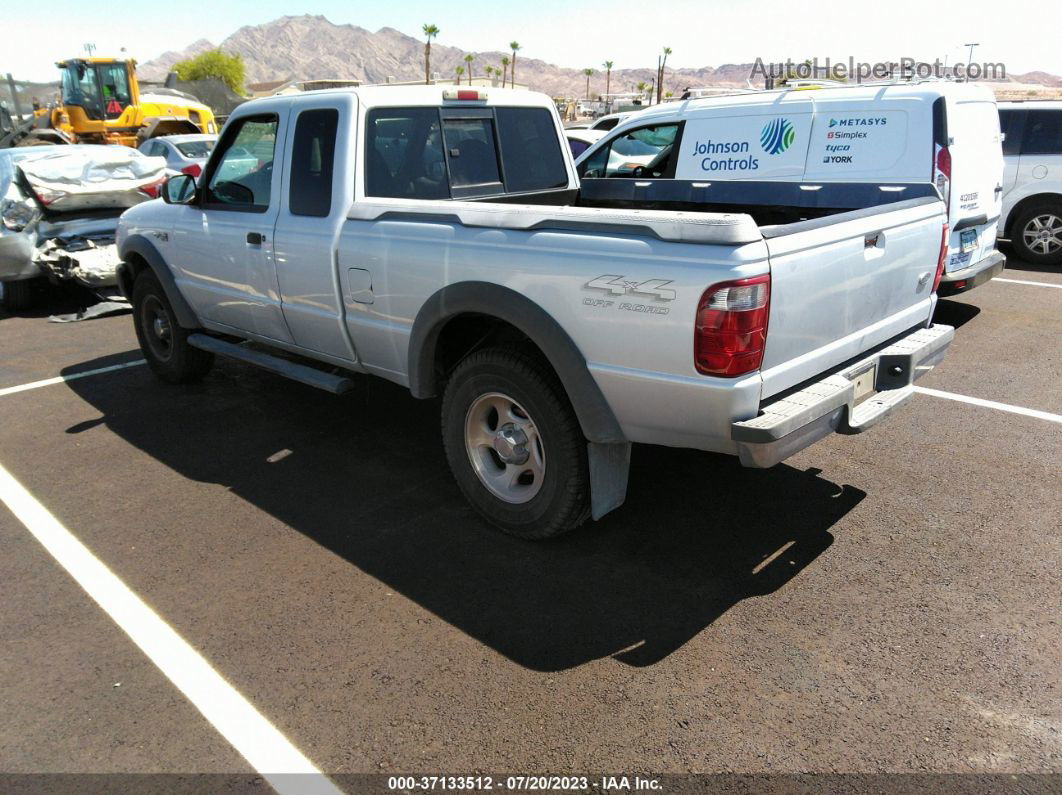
609	467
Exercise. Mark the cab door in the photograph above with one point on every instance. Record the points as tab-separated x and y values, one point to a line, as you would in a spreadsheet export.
223	245
316	198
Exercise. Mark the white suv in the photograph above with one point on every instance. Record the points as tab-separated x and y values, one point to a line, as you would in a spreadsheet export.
1032	181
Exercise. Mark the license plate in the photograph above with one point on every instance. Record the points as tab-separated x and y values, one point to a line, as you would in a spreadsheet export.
968	240
864	383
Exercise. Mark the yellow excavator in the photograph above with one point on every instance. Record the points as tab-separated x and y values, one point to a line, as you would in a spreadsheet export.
101	103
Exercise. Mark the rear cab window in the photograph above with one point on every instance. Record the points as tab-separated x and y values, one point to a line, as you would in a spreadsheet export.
458	152
312	162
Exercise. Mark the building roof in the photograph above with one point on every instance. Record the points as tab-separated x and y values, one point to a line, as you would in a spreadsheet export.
269	85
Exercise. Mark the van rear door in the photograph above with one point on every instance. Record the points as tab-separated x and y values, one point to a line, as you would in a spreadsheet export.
976	184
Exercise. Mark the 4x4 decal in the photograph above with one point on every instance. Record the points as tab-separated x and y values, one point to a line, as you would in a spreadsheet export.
621	285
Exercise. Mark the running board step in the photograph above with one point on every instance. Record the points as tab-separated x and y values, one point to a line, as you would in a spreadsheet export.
336	384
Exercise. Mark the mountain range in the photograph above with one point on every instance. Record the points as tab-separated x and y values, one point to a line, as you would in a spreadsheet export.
311	47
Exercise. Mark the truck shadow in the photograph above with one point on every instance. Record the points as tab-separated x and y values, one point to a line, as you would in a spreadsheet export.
955	313
365	476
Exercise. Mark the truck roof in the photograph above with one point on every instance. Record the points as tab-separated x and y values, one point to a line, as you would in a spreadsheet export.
427	95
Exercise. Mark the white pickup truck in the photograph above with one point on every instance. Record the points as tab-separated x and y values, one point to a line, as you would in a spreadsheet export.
439	238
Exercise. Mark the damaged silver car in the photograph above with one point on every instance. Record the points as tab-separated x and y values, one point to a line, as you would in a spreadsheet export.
59	207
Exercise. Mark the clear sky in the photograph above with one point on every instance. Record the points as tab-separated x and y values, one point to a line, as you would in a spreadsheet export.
1023	34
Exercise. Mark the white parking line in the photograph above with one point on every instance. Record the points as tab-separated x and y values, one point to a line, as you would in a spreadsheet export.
64	378
991	404
1021	281
249	732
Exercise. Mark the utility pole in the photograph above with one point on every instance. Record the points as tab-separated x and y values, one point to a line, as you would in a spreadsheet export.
969	60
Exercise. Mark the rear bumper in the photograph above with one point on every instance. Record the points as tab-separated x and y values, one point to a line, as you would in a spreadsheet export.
980	272
16	257
800	419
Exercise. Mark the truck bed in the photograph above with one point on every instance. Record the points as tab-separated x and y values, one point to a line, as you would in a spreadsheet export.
843	281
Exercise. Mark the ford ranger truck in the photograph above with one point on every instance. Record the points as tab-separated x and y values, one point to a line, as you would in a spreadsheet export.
439	238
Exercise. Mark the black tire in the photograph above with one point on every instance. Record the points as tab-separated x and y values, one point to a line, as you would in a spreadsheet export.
18	295
162	340
562	500
1025	223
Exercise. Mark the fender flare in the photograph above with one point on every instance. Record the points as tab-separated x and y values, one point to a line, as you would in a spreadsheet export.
598	423
145	250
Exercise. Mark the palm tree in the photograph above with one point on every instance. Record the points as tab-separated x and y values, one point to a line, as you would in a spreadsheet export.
430	31
641	87
469	58
505	68
488	70
588	72
608	78
460	70
514	46
660	75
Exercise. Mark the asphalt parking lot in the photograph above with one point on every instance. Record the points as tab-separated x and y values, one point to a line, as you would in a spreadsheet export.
881	603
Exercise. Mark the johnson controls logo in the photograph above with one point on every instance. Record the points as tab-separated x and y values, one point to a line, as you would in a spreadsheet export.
777	136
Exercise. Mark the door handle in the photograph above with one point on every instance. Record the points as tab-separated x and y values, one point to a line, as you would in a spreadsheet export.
255	238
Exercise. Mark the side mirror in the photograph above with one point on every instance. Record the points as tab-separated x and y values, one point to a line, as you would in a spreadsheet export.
179	189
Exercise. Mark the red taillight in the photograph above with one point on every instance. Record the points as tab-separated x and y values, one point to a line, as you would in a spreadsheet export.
731	327
942	172
193	170
152	188
941	257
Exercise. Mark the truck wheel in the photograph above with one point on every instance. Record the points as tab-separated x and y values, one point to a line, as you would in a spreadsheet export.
514	444
162	340
1037	234
18	295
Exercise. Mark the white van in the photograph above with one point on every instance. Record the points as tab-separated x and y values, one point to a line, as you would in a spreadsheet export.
893	134
1032	182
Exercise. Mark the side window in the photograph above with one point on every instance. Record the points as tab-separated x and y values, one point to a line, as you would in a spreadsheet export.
645	153
577	147
605	125
1010	126
1043	133
404	154
470	152
243	173
313	154
531	153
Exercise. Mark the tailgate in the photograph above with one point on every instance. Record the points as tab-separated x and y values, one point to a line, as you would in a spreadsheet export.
844	284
